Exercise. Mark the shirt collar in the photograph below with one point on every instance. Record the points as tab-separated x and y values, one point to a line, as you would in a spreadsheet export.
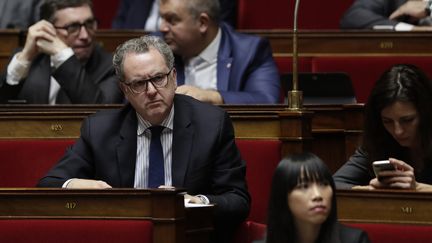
209	54
143	125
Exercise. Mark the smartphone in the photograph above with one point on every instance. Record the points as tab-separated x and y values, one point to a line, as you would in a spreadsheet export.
382	165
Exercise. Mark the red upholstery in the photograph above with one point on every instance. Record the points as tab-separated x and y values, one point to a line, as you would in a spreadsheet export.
249	232
278	14
24	162
364	71
105	11
262	157
83	231
284	64
397	233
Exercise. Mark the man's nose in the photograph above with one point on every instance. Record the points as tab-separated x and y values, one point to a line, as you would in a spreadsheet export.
151	89
83	33
164	26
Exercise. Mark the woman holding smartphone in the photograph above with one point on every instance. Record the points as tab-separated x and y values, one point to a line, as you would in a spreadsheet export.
302	205
398	128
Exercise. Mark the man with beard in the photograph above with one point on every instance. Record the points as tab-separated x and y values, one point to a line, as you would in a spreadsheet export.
216	64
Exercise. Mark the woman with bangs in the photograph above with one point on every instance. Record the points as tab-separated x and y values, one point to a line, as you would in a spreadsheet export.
397	128
302	205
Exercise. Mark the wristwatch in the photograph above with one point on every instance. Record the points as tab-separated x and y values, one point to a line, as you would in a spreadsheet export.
204	199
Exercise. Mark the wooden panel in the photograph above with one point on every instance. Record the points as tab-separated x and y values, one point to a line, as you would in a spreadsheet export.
316	129
384	206
318	43
311	42
10	40
164	207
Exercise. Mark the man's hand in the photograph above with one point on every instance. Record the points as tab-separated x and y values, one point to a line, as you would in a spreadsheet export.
193	199
415	9
209	96
403	177
51	47
41	37
87	184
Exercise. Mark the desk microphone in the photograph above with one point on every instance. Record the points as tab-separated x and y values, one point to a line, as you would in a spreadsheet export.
295	96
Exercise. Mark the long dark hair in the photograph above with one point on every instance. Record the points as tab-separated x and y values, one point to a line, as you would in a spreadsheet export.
406	83
280	224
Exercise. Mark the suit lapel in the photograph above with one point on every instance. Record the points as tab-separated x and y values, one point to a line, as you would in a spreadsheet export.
37	84
179	65
182	141
126	149
224	62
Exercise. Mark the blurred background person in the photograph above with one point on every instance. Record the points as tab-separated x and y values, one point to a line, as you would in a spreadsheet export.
144	14
397	128
399	15
302	204
19	14
60	62
216	64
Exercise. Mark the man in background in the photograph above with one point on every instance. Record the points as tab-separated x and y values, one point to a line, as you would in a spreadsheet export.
60	63
19	14
216	64
399	15
144	14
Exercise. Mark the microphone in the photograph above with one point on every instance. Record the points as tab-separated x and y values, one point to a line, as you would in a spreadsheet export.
295	96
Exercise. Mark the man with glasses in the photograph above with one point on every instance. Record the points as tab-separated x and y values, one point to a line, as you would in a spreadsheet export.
60	63
197	146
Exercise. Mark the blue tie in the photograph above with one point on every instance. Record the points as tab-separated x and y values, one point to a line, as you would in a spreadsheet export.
156	159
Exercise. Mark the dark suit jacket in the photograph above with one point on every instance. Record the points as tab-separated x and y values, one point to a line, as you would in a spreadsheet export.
358	171
19	14
246	71
346	235
364	14
133	14
94	82
205	158
352	235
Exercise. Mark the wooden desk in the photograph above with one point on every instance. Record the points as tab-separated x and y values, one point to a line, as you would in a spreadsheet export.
164	207
384	206
10	40
311	42
319	42
333	126
349	43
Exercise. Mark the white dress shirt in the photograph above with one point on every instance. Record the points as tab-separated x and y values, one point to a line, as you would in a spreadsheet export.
143	148
17	70
153	20
201	71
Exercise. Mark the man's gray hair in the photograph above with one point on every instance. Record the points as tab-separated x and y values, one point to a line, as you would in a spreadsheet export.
138	46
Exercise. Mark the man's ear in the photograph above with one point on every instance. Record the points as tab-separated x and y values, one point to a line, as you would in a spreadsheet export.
122	87
204	22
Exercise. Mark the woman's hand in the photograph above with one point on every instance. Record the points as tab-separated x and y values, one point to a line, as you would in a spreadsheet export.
403	177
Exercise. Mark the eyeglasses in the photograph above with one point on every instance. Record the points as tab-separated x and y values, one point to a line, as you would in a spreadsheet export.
75	28
159	81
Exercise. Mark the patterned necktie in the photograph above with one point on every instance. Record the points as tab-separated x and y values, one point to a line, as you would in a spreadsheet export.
156	159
